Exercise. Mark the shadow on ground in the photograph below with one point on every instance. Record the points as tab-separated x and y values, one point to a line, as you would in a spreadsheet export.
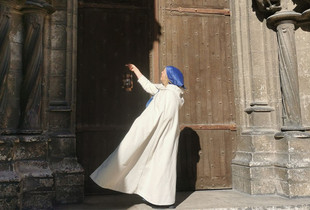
117	201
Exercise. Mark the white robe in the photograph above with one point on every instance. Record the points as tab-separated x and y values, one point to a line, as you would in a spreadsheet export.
145	161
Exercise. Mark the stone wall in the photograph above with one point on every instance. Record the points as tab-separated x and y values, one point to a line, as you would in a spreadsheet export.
38	164
271	157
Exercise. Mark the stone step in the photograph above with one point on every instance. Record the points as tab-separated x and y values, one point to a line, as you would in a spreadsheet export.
9	190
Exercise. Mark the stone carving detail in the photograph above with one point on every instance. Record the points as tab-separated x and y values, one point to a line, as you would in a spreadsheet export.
269	5
31	89
32	73
4	65
41	4
289	75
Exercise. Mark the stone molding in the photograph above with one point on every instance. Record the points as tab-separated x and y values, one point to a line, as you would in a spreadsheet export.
269	148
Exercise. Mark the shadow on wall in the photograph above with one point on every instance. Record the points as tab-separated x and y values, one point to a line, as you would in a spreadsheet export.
188	157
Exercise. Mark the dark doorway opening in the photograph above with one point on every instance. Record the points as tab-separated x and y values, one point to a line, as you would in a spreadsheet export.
110	34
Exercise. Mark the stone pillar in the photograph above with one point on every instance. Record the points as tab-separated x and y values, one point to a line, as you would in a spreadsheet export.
69	178
5	55
31	89
272	154
10	66
292	167
30	147
285	24
38	163
9	71
257	100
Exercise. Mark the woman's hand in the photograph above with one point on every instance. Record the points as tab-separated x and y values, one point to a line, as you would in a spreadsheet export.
134	69
131	67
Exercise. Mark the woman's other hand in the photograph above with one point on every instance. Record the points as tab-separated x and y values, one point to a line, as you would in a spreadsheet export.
133	68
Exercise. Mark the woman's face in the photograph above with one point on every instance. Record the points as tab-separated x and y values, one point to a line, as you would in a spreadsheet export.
164	78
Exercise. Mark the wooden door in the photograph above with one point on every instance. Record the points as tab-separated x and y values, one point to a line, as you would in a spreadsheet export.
196	39
111	33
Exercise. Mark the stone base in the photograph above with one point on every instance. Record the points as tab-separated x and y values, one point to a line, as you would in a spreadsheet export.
37	190
292	165
30	180
38	200
9	203
276	166
9	190
253	180
69	181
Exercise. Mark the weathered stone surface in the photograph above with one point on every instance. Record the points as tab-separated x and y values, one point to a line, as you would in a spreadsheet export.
59	37
33	168
281	173
67	165
38	200
299	175
26	180
38	184
299	146
258	119
16	63
60	16
58	66
6	151
262	159
59	4
5	166
30	150
283	164
9	184
60	148
59	121
9	203
263	143
69	179
245	143
241	183
69	194
58	93
262	187
9	189
264	173
299	189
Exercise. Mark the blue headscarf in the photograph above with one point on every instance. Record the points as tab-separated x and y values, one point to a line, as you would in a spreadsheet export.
175	76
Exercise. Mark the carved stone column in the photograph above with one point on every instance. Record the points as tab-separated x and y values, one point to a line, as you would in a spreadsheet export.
9	111
31	86
31	90
264	165
4	62
292	166
285	24
9	85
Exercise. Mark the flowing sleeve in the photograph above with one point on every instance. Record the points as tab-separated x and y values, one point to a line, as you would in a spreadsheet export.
148	86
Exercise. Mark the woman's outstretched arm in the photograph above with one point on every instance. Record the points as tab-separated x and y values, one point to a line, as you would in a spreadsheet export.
134	69
145	83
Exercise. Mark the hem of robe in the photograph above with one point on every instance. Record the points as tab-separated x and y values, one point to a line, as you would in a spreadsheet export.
149	200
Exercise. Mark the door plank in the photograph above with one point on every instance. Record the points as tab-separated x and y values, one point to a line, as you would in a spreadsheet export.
196	39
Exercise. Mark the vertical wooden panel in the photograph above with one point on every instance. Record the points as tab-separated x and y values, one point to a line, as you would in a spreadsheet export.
198	42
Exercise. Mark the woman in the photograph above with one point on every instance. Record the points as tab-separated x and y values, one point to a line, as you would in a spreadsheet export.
145	161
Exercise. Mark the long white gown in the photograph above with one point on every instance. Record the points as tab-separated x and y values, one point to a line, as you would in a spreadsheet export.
145	161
